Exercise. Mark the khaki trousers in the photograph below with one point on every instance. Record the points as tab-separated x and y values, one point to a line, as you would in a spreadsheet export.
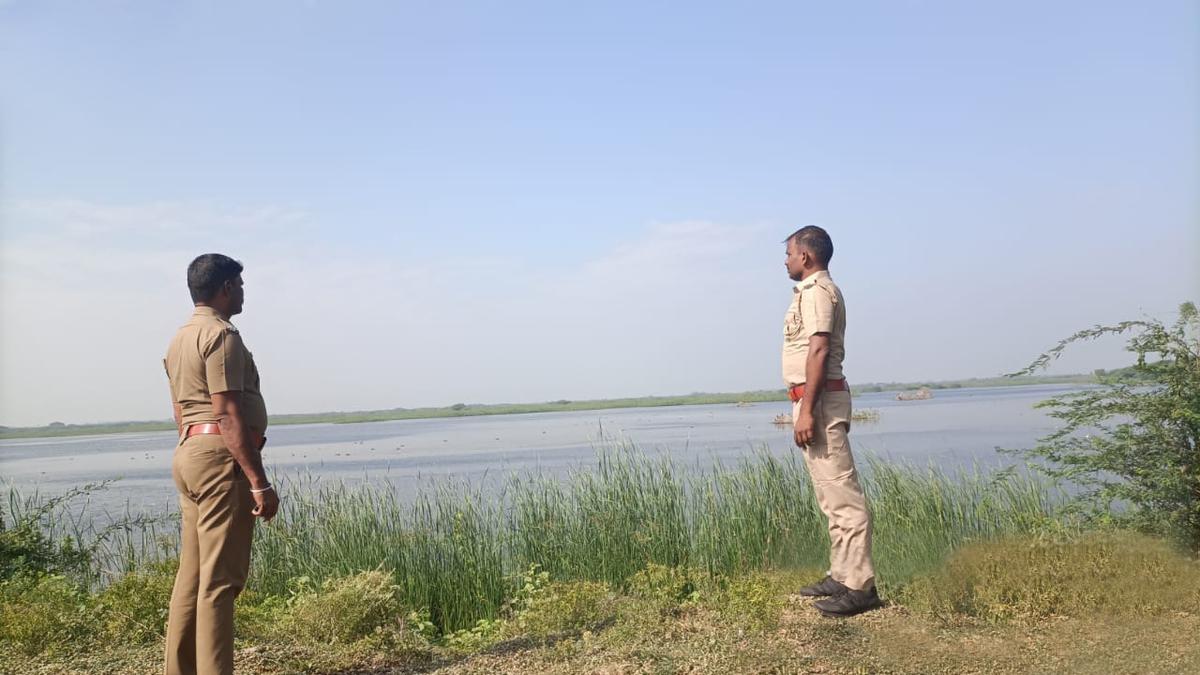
214	559
835	481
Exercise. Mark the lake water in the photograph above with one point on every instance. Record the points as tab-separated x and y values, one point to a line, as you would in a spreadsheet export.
955	429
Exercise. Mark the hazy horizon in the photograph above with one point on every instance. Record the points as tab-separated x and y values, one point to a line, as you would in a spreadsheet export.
471	202
440	406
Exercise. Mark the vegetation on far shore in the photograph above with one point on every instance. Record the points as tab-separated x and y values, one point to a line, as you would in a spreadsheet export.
472	409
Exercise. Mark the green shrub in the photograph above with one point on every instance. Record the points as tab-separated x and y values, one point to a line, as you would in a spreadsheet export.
134	609
44	615
1028	579
344	609
25	549
564	606
751	602
1128	446
257	616
485	633
666	587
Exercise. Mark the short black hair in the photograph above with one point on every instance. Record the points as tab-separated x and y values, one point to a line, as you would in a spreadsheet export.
208	272
816	240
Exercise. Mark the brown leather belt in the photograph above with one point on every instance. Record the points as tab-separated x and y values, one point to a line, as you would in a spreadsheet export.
214	428
797	392
206	428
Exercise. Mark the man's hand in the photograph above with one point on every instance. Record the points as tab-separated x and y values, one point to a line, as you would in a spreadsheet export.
227	406
805	426
266	504
814	386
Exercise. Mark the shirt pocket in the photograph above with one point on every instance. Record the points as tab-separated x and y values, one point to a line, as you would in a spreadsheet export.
792	324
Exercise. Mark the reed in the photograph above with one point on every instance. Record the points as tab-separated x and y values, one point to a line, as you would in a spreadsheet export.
459	549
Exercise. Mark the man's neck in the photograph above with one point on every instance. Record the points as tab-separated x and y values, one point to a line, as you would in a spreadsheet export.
223	315
809	272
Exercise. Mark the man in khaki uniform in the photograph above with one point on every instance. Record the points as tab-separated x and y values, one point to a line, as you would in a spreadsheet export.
814	345
217	469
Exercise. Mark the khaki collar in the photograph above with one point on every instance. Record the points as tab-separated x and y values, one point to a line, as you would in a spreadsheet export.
810	280
206	311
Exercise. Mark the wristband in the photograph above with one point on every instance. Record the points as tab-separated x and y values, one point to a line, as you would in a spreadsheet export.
262	490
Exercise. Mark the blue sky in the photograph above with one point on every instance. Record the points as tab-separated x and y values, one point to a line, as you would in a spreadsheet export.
442	202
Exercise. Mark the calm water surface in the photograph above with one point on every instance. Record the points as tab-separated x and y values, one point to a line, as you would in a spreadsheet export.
956	429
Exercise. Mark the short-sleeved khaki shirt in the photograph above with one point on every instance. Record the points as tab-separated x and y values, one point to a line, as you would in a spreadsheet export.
208	356
817	307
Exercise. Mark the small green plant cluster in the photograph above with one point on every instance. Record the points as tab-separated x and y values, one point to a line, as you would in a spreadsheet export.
751	602
485	633
539	609
666	588
566	606
343	609
337	623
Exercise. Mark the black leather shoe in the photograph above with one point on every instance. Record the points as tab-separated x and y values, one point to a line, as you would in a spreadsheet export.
849	603
826	587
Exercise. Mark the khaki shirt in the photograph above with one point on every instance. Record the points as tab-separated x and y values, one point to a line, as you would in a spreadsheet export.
817	307
208	356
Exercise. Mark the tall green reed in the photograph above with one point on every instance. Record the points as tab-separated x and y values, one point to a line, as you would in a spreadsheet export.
458	549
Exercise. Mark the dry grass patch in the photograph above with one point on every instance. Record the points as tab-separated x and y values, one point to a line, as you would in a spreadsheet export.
1029	579
895	641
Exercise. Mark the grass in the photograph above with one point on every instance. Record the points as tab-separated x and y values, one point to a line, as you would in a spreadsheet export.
773	631
662	622
637	564
1027	580
457	549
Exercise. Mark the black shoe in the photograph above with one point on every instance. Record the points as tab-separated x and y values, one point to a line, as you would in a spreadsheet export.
826	587
849	603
